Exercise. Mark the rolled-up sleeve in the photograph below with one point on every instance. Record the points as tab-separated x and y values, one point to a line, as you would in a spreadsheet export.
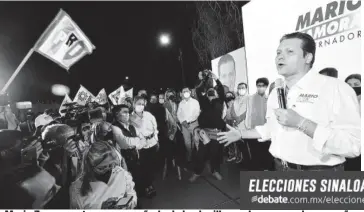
126	142
343	135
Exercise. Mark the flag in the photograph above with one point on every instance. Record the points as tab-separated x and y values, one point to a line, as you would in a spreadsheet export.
116	95
129	93
83	96
66	99
63	41
101	98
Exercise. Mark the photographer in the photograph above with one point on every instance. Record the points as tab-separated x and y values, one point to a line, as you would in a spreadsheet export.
211	121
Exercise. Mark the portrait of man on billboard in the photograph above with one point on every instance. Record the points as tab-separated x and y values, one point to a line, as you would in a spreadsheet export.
227	72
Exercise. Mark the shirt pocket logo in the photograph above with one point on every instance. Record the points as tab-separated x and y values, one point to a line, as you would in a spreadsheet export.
307	98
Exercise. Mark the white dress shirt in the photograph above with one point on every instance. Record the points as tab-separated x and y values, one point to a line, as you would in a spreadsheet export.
188	110
330	103
146	125
120	185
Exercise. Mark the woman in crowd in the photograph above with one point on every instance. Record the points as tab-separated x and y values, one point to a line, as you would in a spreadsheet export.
146	124
169	147
102	131
354	80
104	183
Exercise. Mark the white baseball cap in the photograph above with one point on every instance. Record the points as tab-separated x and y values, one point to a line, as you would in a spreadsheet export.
42	120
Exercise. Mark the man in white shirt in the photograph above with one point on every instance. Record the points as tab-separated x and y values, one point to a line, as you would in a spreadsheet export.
321	125
187	114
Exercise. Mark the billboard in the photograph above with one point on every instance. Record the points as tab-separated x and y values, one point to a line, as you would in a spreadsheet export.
231	68
335	26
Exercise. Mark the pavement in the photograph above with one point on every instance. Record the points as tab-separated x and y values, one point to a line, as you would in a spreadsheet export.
205	193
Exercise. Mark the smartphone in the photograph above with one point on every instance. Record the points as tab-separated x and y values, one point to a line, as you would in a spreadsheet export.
124	202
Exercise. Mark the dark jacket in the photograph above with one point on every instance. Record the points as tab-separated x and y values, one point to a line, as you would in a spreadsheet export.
211	111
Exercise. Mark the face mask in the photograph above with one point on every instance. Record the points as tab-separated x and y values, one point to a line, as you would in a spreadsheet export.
187	95
357	90
161	101
242	92
139	108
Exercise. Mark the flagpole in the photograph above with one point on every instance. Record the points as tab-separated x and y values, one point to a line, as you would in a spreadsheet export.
21	65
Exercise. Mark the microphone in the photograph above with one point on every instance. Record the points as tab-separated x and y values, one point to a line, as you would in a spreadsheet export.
281	94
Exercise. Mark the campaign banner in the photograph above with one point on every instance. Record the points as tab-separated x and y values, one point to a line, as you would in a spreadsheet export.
64	42
231	69
302	190
335	25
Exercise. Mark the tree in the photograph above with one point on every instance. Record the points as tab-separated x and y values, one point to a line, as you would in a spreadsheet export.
218	29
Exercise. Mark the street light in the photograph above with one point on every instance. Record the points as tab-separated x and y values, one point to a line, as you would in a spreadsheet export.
165	40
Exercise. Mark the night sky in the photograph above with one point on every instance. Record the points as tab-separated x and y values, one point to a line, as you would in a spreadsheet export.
126	38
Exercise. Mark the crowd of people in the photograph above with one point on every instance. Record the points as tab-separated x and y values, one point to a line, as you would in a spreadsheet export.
110	160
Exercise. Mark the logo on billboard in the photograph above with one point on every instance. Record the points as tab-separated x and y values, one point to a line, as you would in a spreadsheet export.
337	22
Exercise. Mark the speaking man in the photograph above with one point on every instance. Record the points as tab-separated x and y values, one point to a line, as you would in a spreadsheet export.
321	125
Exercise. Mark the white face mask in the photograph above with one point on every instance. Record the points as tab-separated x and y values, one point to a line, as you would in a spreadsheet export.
139	108
161	101
187	95
242	92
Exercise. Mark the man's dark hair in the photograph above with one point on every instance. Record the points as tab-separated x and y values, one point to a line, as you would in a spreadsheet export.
308	43
137	98
263	80
118	108
243	83
353	76
331	72
225	59
185	87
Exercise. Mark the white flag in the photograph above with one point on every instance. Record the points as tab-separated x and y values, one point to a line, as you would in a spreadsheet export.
129	93
63	41
124	95
116	95
101	98
83	96
66	99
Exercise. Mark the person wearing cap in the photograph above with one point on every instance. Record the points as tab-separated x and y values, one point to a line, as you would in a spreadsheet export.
42	120
103	181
